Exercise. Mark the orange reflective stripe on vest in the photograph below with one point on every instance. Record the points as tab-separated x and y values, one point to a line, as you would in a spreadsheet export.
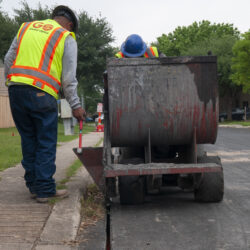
119	55
49	49
40	77
41	74
40	66
20	37
152	51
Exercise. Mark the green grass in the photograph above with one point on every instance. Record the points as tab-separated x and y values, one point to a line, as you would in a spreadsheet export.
10	149
242	123
71	171
52	201
10	141
62	138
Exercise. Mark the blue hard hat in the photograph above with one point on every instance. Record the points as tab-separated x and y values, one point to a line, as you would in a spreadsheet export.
133	46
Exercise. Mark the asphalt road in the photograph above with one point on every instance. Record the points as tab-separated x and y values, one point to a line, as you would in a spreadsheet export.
173	221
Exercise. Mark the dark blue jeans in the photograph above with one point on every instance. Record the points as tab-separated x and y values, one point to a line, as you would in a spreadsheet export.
35	116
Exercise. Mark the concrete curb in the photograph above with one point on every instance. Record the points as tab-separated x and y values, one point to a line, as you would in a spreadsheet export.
233	126
61	228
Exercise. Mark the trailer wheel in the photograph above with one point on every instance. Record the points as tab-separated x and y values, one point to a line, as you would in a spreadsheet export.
209	187
132	190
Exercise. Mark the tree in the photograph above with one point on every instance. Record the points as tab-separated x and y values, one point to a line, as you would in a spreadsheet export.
8	30
94	38
198	39
241	62
182	38
9	26
26	14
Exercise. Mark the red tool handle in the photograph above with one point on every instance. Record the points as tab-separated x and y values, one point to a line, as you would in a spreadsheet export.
80	134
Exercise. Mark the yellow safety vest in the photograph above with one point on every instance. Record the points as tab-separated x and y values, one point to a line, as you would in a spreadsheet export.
39	55
150	53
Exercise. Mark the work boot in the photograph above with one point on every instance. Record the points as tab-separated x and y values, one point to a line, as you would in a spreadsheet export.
62	193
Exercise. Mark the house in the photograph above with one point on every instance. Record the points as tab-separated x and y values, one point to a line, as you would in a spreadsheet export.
6	120
241	100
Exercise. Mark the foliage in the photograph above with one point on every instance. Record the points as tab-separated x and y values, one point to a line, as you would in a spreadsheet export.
237	123
241	62
8	29
10	141
9	26
94	38
10	150
26	14
182	38
70	172
222	48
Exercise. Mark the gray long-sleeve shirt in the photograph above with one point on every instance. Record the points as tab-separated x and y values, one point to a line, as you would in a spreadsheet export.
69	64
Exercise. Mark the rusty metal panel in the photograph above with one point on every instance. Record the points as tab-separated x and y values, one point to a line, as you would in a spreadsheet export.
160	168
92	161
171	96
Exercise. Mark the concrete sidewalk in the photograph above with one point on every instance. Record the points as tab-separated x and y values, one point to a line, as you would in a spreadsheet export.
25	224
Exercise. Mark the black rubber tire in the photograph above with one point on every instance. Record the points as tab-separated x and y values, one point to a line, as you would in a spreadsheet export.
209	187
132	190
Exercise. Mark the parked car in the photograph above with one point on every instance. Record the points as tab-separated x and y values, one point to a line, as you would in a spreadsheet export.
88	119
237	115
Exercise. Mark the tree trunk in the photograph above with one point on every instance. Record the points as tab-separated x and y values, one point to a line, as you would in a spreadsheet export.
229	108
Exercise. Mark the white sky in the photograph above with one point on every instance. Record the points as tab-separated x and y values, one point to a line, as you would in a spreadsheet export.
152	18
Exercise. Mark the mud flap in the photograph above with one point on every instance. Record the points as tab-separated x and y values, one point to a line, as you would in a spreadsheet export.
92	161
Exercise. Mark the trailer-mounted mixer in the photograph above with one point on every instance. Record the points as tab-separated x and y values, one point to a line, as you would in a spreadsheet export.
158	115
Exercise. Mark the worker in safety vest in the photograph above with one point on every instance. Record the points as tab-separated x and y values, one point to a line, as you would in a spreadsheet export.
41	59
134	46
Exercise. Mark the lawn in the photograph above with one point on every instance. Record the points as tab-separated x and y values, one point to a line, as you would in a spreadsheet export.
87	127
242	123
10	149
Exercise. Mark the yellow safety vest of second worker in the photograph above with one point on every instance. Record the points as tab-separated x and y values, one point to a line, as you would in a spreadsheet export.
39	56
151	52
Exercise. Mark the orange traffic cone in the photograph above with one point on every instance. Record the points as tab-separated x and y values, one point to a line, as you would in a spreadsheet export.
100	126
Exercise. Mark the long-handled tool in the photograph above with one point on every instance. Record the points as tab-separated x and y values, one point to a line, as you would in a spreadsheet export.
79	149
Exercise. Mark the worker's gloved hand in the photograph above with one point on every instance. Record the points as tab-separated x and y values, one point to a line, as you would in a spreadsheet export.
79	114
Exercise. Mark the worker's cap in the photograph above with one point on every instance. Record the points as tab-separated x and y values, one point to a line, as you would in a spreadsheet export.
134	46
65	11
